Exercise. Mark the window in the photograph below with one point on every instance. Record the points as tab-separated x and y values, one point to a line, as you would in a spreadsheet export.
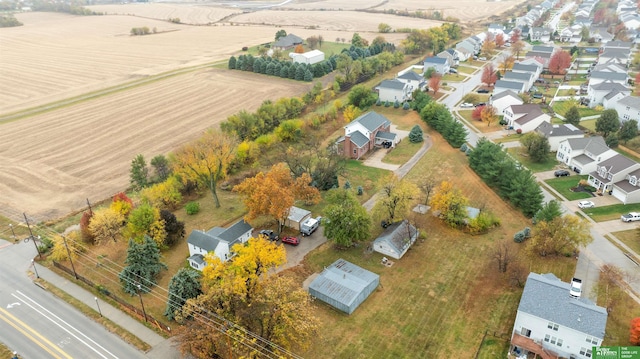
633	181
559	343
553	340
592	340
586	352
354	151
547	337
552	326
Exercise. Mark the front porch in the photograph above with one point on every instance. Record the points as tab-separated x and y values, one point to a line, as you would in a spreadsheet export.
602	185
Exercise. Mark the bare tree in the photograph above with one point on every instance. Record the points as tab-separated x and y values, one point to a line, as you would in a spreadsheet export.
428	185
504	253
518	273
609	286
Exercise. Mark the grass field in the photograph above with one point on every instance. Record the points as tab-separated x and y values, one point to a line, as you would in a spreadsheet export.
607	213
564	184
466	69
481	126
631	238
520	154
561	107
402	153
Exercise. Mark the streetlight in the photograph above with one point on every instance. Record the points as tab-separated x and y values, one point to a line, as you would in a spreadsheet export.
142	304
98	304
33	263
12	231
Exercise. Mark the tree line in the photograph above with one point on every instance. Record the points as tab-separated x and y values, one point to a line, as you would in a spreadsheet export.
8	20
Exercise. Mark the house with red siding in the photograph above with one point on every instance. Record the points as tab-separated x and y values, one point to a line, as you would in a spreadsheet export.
365	133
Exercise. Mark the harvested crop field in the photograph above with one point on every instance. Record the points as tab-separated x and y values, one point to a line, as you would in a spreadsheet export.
188	14
51	162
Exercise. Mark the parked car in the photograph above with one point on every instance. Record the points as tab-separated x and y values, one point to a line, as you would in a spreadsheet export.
480	104
291	240
630	217
586	204
556	82
576	288
537	95
482	58
453	71
482	91
561	173
466	105
267	233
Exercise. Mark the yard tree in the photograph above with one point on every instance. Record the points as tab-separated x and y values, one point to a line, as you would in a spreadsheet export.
142	267
161	168
165	194
524	192
139	174
122	204
515	35
173	227
350	113
488	47
488	114
394	199
634	331
145	221
59	251
415	136
489	75
536	145
608	122
451	204
384	28
434	82
418	41
438	38
559	62
499	40
561	236
548	212
358	41
476	113
572	115
504	253
362	96
348	222
206	160
87	235
608	288
516	48
273	193
456	134
349	68
429	72
280	33
106	224
312	42
428	185
507	63
184	285
628	130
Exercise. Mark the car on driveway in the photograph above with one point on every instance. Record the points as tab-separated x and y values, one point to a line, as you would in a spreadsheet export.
586	204
630	217
291	240
453	71
482	91
537	95
466	105
561	173
268	234
482	58
576	288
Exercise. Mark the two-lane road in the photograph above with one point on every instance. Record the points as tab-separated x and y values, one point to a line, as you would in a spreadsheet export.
38	325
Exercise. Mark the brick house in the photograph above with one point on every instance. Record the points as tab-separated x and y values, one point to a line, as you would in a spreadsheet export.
365	133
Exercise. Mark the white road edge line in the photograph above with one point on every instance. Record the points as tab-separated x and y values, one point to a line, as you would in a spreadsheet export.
58	324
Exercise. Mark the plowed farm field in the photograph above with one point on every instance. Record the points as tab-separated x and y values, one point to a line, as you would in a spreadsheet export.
188	14
51	162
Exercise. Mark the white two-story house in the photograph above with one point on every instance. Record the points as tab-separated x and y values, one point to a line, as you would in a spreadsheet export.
552	324
394	90
525	118
628	108
583	154
610	171
217	240
628	190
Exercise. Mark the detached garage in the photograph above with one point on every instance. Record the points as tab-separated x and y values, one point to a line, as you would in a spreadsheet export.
344	285
296	217
309	58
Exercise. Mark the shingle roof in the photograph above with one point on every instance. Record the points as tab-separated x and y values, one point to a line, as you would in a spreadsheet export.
594	145
435	60
543	55
512	85
613	76
505	94
396	236
615	52
234	232
541	48
525	68
620	44
392	84
583	159
359	139
411	75
209	240
631	101
530	111
549	130
609	86
202	240
372	120
197	258
288	41
617	163
626	186
386	135
546	297
518	76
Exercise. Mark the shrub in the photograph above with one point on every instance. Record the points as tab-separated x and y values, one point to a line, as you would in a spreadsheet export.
519	237
415	135
378	102
347	185
396	104
192	208
464	147
527	232
360	191
387	104
519	131
406	106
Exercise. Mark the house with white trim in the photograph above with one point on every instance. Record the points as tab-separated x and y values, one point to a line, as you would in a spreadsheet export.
583	154
394	90
628	108
504	85
550	323
596	77
534	68
396	239
217	240
555	133
366	132
524	77
606	90
610	171
439	64
504	99
525	118
414	80
628	189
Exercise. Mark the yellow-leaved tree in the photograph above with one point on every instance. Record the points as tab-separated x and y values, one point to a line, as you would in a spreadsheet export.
105	224
563	235
249	295
273	193
451	204
205	160
394	199
59	251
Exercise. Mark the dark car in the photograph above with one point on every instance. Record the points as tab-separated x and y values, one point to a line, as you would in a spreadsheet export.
291	240
537	95
267	233
482	91
479	104
561	173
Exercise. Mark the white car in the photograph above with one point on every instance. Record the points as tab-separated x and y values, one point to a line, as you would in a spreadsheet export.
586	204
576	288
466	105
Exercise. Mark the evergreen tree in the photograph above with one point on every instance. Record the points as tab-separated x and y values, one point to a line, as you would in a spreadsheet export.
184	285
308	76
161	167
232	63
456	134
292	71
139	174
271	67
628	130
300	70
284	72
143	266
572	116
415	135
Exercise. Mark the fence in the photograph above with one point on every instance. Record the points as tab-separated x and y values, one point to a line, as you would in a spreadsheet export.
126	306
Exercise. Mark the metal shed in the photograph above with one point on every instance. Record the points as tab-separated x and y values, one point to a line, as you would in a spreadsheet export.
344	285
296	216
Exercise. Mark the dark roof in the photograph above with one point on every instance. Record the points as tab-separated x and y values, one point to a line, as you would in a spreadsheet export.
626	186
613	76
525	68
198	258
202	240
544	55
435	60
397	236
512	85
392	84
619	44
541	48
609	86
615	52
548	130
546	297
530	111
386	135
617	163
288	41
372	120
411	75
209	240
359	139
505	93
235	231
583	159
519	76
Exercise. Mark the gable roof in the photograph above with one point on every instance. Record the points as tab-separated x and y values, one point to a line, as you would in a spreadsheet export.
613	76
202	240
397	236
630	101
619	44
234	232
541	48
518	76
394	84
617	163
547	297
359	139
209	240
435	60
372	120
530	111
609	86
542	55
411	75
609	66
616	52
520	67
506	93
594	145
288	41
511	85
548	130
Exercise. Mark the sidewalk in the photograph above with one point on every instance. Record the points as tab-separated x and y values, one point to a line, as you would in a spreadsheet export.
162	348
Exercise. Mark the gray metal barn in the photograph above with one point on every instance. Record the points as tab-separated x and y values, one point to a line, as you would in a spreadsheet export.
344	285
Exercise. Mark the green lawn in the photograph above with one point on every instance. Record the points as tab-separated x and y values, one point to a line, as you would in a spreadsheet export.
567	92
453	78
360	175
564	184
561	107
630	238
466	69
520	154
589	125
402	153
607	213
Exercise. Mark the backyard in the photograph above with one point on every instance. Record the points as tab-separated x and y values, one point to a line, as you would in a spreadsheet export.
521	155
561	107
564	184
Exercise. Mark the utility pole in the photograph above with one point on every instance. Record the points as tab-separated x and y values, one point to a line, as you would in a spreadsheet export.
69	254
89	204
31	235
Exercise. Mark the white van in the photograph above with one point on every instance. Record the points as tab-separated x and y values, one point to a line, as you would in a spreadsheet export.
309	226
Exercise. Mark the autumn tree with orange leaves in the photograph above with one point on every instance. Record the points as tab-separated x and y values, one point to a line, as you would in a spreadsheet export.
559	62
273	193
434	82
206	160
488	114
634	337
489	75
500	41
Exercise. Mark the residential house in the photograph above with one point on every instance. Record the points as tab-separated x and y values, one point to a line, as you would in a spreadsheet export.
596	77
414	80
449	56
439	64
616	55
582	20
524	77
365	133
606	91
610	171
396	239
525	118
309	57
542	57
504	85
543	48
394	90
600	34
628	108
465	49
583	154
533	61
496	29
541	34
504	99
610	67
558	133
551	324
287	42
218	241
628	189
617	44
534	68
631	20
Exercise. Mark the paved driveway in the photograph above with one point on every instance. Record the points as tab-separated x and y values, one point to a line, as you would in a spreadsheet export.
375	159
